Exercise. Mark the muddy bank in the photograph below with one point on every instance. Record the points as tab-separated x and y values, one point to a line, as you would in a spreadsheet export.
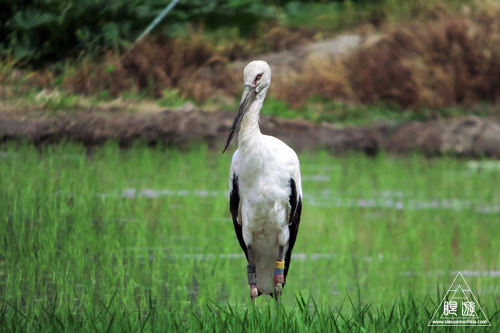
469	136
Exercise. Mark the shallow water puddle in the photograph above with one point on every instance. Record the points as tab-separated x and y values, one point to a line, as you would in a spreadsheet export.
444	204
316	178
214	256
326	198
483	166
491	273
150	193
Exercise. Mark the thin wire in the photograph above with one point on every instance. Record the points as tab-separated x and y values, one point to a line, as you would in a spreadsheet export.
154	23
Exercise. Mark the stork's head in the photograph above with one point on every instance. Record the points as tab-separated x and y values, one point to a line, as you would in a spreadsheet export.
257	78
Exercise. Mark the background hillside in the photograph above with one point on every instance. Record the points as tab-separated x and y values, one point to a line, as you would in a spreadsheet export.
411	60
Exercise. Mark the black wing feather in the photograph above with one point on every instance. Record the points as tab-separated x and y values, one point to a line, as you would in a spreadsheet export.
234	205
293	224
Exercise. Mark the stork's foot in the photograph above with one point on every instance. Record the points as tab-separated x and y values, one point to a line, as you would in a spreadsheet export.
279	269
254	292
252	281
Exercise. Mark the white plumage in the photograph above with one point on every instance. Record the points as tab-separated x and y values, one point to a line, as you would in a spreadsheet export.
265	178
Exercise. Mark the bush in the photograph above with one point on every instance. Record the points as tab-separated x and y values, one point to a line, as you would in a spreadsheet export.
47	31
451	60
447	60
50	30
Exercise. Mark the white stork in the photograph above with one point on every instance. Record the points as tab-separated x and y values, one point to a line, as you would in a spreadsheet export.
265	190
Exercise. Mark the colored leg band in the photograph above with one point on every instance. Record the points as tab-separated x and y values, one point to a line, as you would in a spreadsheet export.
252	274
279	268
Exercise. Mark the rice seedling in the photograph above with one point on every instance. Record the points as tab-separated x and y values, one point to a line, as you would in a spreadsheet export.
141	240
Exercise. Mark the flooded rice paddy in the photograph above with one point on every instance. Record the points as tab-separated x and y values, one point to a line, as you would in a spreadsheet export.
78	228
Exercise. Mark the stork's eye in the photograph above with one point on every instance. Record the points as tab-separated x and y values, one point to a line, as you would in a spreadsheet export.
257	78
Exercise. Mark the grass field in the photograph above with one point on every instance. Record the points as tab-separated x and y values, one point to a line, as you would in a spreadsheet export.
142	240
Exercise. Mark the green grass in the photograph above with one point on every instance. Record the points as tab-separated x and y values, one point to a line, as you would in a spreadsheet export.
334	16
319	109
141	239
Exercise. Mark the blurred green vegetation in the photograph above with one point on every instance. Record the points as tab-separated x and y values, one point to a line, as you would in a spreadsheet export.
50	30
43	31
318	109
101	239
71	55
46	31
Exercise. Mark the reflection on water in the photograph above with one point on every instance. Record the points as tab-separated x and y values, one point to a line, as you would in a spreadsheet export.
483	165
150	193
214	256
445	204
316	178
329	198
492	273
480	273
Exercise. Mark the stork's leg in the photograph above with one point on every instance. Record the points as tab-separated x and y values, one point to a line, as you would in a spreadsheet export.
279	269
252	275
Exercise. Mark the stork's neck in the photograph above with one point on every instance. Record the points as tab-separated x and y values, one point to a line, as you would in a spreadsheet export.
250	132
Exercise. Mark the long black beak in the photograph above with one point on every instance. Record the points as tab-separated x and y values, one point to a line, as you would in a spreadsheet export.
246	100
